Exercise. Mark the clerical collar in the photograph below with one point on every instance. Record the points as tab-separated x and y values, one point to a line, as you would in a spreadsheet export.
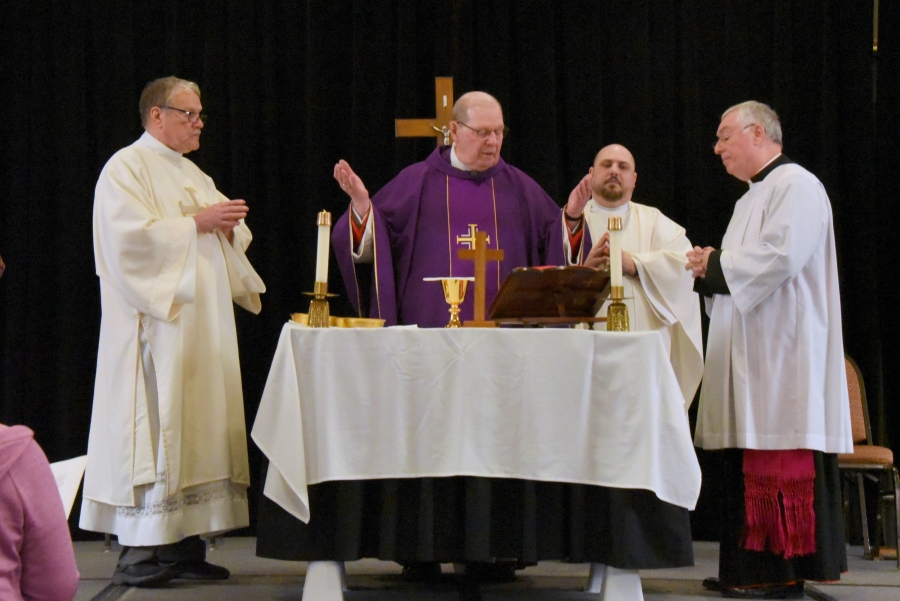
158	147
776	161
620	210
454	160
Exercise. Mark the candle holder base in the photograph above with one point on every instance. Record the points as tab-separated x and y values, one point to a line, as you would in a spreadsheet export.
319	311
617	317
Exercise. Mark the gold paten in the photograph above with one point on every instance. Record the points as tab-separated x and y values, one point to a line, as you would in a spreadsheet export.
340	322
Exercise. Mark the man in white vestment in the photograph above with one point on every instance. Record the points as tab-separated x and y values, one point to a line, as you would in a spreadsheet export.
167	454
774	397
659	293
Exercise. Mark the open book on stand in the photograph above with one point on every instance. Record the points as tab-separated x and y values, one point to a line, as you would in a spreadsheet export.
551	295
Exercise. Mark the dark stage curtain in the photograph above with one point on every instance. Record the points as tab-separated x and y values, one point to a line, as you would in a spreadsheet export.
293	86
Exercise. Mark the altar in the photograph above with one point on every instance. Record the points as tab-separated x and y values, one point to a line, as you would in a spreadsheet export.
470	444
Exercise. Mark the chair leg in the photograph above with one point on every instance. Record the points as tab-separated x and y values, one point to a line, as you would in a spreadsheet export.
860	486
896	478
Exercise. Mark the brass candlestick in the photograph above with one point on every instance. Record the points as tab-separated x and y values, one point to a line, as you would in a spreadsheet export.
319	312
617	312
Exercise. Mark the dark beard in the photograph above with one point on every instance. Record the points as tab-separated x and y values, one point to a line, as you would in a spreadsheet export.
611	195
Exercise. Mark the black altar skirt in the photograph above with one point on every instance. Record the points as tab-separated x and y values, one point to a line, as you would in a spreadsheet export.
463	519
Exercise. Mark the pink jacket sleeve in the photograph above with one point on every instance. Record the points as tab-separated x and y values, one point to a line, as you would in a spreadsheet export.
35	544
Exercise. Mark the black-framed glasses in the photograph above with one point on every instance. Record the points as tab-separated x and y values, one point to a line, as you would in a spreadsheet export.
484	133
191	115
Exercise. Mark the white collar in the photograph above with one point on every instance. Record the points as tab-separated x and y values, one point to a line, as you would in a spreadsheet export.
158	147
620	210
454	160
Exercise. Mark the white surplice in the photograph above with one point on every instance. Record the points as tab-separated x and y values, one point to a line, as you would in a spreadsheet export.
775	374
167	454
661	297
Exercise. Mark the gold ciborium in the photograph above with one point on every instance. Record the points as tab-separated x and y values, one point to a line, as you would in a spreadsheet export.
454	294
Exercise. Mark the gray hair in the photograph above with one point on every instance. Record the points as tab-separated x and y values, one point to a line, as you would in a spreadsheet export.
751	112
159	91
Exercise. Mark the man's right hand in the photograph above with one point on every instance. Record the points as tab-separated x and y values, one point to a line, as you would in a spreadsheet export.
579	197
222	215
353	186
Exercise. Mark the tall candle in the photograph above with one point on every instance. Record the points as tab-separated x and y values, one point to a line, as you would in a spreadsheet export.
615	251
324	223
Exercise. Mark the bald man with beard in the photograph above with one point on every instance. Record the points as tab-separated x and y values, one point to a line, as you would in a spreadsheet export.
658	294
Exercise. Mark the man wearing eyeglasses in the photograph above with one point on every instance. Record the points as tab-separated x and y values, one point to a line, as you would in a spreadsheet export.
774	397
167	454
414	226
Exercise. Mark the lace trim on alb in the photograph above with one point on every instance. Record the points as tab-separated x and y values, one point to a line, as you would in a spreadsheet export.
177	503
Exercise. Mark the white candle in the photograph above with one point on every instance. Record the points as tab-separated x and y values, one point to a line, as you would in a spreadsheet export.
615	251
324	222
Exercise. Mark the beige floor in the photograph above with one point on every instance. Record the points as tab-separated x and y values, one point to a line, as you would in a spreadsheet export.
258	579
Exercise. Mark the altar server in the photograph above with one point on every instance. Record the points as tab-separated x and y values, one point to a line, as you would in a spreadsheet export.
774	395
167	454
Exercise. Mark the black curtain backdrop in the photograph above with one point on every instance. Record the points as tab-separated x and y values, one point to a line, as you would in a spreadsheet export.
291	87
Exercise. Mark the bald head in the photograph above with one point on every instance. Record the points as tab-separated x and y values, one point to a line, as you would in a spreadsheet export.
477	130
613	176
473	100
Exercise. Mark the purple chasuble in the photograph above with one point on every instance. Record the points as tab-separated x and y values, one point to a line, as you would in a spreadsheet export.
424	216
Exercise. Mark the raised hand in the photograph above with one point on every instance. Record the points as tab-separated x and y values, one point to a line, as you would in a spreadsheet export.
353	186
579	197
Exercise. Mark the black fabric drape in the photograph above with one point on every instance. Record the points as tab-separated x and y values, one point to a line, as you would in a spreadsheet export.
464	519
293	86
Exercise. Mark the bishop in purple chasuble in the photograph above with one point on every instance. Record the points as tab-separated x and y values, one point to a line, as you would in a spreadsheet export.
430	211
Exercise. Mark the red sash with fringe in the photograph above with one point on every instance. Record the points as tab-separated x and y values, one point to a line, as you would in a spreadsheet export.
778	498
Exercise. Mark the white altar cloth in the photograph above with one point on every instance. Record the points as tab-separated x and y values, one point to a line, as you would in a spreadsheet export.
557	405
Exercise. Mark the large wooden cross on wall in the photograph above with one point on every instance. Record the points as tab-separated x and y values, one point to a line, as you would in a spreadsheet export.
439	126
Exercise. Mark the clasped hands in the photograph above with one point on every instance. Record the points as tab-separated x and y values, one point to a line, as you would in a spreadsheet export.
698	259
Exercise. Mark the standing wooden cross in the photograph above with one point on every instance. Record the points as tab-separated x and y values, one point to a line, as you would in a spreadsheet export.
439	126
481	255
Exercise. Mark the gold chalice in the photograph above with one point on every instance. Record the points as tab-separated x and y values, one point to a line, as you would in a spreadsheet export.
454	294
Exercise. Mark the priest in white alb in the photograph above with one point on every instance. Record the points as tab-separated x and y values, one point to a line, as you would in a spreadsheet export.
167	454
774	400
658	293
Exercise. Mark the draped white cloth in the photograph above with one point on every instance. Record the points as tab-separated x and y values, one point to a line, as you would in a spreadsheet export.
574	406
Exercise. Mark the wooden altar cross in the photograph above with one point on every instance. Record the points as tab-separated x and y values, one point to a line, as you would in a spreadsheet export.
439	126
481	255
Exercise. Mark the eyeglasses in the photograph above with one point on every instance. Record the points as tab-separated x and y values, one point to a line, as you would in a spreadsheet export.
191	115
484	133
727	136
